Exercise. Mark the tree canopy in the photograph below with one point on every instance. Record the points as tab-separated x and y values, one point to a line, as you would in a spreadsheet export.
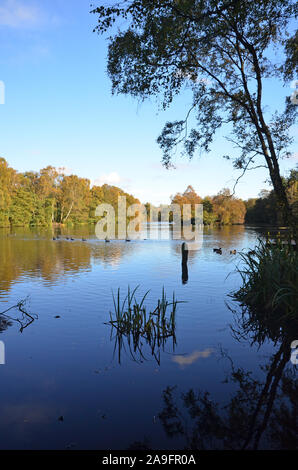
49	196
222	209
223	51
265	210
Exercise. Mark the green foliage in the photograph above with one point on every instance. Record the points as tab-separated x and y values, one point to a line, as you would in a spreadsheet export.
262	210
223	209
265	209
270	282
223	51
229	210
134	323
109	195
46	197
22	208
7	187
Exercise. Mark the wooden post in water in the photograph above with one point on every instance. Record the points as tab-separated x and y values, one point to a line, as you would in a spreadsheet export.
184	263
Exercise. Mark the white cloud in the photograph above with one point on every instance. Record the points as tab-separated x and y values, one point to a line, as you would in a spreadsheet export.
112	178
17	13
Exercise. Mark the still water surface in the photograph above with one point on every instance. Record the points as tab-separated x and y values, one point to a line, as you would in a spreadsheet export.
62	386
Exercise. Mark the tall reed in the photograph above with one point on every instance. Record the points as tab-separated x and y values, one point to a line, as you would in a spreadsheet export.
132	321
270	281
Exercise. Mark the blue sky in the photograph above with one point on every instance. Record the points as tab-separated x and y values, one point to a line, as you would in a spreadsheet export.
59	110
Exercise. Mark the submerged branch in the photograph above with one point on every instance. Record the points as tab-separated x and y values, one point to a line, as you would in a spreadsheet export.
26	318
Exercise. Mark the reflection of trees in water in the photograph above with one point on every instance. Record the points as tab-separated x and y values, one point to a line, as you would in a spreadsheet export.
40	258
227	237
260	414
111	254
192	254
4	323
53	259
33	252
255	326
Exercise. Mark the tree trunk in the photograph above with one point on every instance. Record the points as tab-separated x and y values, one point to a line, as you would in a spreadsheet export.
263	131
68	214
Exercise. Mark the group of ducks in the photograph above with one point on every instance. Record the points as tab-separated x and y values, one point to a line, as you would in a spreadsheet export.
219	251
68	238
107	240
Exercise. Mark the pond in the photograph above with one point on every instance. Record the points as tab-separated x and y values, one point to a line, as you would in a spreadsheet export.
66	385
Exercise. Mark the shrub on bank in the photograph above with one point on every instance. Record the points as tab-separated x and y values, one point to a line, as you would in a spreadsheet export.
269	281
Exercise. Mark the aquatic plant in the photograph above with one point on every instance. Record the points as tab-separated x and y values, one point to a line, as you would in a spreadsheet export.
134	323
269	282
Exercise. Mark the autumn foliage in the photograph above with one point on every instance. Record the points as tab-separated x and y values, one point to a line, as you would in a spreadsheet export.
49	196
223	209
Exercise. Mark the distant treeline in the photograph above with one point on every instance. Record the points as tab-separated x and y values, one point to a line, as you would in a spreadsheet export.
265	210
225	209
49	196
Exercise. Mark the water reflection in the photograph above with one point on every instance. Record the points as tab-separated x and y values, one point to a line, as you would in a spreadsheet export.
142	329
184	253
22	316
184	273
256	328
4	324
52	260
189	359
39	257
228	238
260	414
33	252
64	366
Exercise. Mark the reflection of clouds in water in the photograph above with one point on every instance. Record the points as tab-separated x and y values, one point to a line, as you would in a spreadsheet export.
189	359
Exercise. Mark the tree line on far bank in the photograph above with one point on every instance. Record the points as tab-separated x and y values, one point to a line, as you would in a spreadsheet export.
225	209
222	209
265	208
49	196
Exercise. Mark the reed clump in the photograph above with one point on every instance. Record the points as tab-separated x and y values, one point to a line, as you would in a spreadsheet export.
270	281
134	323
